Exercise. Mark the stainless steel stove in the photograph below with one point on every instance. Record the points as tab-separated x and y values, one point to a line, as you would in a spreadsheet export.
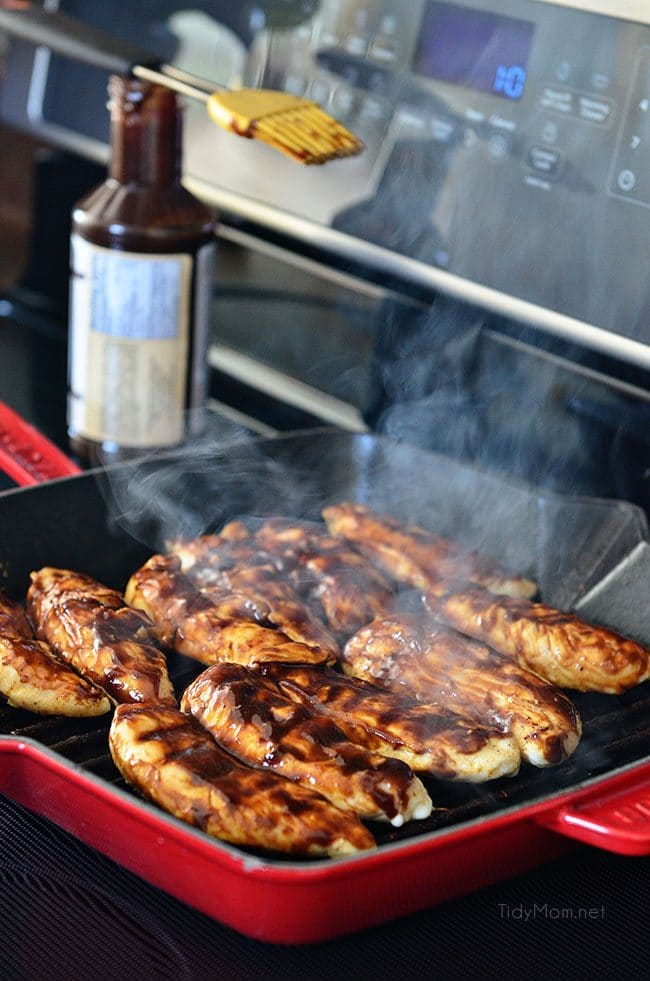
476	281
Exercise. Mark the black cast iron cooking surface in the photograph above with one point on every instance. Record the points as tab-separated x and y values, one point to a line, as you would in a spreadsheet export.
65	523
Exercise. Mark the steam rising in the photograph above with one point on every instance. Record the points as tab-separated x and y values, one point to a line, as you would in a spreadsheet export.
170	495
564	544
447	382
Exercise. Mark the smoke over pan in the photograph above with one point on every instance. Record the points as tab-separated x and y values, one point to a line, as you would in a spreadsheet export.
565	544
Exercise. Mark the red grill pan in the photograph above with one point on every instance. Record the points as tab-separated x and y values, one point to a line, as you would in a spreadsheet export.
26	455
61	769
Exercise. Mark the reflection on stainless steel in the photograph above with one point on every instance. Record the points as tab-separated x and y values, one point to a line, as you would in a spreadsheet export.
420	274
554	161
283	386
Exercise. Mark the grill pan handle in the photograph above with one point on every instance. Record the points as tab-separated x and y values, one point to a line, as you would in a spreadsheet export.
616	820
26	455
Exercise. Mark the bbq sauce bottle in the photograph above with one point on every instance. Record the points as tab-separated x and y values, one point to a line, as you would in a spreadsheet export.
141	272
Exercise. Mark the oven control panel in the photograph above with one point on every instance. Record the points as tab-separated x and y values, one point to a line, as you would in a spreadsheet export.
630	171
508	141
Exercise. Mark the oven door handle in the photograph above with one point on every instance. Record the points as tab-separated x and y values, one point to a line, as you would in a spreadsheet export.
26	455
616	820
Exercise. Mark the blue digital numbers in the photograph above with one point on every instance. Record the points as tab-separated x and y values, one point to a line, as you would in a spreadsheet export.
510	81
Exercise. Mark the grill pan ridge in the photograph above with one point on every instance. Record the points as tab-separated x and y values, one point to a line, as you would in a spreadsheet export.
568	545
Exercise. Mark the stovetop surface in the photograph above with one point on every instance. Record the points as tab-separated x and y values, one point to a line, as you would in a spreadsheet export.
66	911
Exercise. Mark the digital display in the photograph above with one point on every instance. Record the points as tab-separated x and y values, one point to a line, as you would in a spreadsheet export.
475	49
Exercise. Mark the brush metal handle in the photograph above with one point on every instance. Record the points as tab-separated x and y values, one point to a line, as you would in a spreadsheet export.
73	38
79	41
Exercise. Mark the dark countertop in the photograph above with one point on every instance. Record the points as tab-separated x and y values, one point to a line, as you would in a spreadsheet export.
66	911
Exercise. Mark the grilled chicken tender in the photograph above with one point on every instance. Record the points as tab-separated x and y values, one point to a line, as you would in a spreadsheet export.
441	667
208	628
171	760
89	626
216	562
427	739
414	556
350	591
13	619
558	646
251	719
32	679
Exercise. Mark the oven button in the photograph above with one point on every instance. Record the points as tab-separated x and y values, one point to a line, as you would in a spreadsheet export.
594	110
474	115
441	129
557	100
498	146
600	81
502	122
389	24
413	119
626	180
545	160
356	44
327	39
382	51
302	33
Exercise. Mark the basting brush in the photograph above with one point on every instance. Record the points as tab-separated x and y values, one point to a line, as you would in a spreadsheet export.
296	127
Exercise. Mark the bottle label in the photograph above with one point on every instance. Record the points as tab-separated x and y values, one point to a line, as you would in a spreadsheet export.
129	344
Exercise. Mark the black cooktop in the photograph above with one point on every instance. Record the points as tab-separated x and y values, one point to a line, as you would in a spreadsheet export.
68	912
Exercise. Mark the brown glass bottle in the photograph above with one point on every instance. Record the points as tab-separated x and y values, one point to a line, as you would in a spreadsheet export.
141	273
